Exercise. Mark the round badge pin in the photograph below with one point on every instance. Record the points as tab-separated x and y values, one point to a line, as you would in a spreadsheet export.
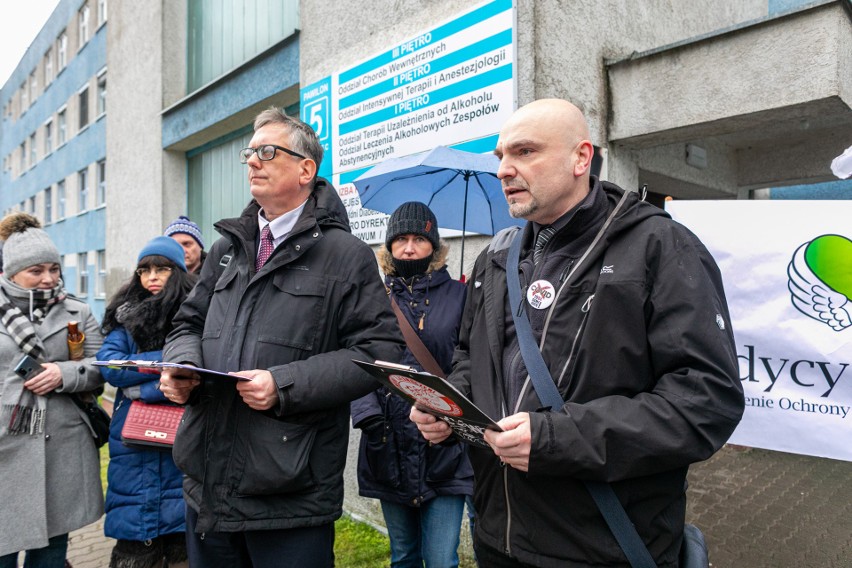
541	294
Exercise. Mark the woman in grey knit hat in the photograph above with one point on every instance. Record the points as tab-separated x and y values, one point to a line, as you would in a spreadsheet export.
49	465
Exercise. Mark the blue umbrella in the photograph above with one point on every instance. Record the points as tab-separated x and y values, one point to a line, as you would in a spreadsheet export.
461	188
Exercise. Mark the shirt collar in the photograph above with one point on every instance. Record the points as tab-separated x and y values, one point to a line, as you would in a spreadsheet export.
281	226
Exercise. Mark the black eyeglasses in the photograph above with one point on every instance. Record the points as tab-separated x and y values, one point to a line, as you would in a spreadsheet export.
266	153
158	270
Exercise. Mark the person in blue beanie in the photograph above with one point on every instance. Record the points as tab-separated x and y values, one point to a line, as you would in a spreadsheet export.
188	235
144	500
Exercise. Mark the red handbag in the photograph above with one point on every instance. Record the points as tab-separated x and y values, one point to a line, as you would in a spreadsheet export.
151	426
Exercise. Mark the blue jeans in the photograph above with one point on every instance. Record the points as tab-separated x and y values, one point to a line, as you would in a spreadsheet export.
51	556
429	533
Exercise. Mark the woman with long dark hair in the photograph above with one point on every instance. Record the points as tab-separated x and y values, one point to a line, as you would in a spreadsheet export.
144	503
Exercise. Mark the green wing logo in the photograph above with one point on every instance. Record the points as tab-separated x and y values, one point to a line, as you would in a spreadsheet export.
820	280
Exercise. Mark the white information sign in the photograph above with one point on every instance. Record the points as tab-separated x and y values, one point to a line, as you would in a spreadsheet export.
452	85
787	270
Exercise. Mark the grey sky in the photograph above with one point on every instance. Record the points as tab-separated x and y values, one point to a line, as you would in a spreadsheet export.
19	26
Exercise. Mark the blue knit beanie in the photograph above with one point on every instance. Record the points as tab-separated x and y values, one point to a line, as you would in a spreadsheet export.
183	225
164	246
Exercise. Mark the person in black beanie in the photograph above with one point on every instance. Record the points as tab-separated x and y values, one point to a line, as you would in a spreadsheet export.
422	488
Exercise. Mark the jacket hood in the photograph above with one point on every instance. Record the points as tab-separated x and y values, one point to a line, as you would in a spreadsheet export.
633	212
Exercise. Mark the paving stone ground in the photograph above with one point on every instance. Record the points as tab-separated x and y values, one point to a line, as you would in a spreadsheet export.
89	548
758	509
761	509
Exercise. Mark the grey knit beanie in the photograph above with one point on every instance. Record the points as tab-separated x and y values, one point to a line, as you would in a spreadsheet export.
26	243
413	218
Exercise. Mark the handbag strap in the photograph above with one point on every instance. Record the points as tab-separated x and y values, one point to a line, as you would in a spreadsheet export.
415	344
613	512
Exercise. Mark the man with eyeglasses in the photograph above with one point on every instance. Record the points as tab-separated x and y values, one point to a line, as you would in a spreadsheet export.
288	297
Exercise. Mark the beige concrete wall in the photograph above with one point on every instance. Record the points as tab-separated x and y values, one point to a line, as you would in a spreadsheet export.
135	196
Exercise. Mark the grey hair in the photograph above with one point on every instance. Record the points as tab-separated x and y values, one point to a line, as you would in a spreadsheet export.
303	139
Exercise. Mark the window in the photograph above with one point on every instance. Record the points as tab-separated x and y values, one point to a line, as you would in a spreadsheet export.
100	196
83	189
33	87
83	274
32	205
48	205
33	150
100	281
48	67
61	128
84	107
23	156
102	12
61	51
60	200
83	26
48	137
102	93
25	100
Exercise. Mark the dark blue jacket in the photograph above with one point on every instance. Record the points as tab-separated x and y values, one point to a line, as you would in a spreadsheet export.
395	463
144	491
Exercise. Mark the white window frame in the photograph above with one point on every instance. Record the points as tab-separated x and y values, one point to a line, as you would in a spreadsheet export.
83	190
48	67
33	87
101	93
83	26
61	200
102	12
33	150
100	276
100	194
82	274
48	205
61	126
48	137
61	51
80	98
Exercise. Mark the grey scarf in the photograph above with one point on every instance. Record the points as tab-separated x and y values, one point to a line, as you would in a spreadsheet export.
28	413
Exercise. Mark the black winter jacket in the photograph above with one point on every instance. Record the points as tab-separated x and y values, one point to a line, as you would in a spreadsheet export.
651	385
394	462
315	305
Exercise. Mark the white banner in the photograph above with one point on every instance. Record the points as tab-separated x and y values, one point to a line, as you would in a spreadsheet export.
787	269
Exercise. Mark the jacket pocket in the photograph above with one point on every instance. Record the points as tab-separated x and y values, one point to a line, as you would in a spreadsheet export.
443	461
276	457
188	450
302	300
220	304
383	456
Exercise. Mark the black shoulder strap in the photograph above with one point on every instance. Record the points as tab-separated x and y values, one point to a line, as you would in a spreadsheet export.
606	500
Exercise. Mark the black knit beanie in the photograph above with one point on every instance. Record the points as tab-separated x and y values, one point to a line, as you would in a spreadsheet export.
413	218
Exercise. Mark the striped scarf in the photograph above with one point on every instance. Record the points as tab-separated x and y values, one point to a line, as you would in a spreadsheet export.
27	415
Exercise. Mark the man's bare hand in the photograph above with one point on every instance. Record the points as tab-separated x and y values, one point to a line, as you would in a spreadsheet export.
512	445
434	430
261	392
177	384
